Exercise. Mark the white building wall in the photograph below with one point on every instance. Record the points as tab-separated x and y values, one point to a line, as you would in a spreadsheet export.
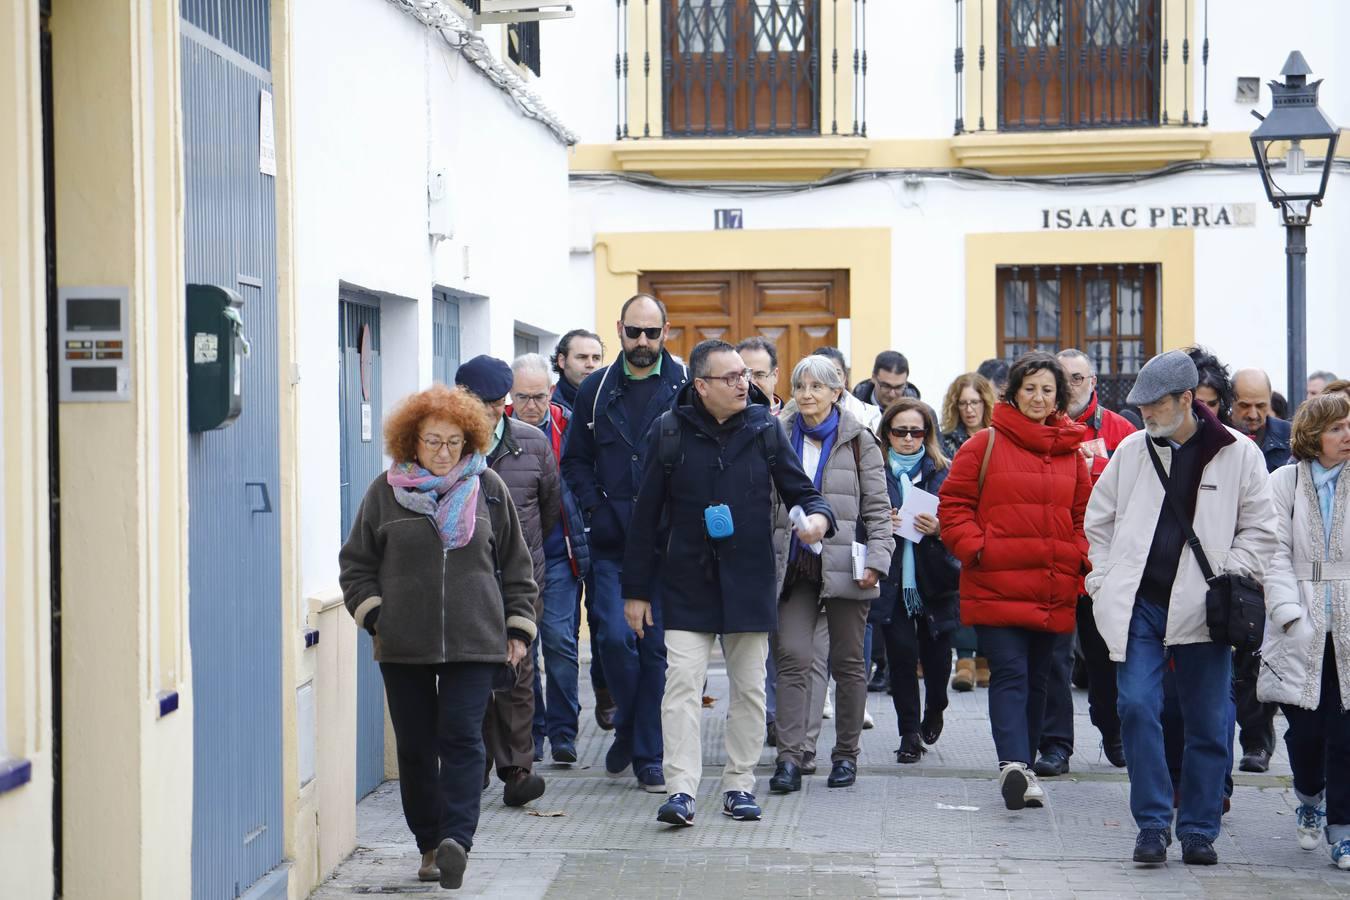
380	102
1239	272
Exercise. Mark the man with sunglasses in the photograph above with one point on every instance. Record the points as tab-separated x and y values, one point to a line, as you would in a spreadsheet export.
1103	432
602	462
700	560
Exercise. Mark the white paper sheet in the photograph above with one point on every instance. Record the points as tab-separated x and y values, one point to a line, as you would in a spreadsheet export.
917	503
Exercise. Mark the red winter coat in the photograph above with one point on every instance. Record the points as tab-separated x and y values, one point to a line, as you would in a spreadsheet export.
1020	542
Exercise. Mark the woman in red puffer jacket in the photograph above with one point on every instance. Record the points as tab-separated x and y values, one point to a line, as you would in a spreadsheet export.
1020	541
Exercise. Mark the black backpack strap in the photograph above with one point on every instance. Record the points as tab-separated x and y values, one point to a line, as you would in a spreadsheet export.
1179	511
668	443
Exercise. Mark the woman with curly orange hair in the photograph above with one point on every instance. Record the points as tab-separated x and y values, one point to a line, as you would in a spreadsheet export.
437	570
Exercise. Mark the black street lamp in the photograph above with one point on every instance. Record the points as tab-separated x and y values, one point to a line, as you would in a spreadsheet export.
1307	138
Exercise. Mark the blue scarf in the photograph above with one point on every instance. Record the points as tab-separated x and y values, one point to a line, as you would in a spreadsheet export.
901	466
826	433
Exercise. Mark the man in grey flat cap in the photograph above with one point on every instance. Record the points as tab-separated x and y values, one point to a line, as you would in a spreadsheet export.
1148	594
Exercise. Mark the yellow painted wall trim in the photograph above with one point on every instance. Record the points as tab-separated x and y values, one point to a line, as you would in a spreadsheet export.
787	158
1173	249
620	258
1124	149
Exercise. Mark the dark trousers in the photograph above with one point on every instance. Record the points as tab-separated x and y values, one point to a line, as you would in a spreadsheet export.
1319	749
1019	669
1057	729
598	682
1256	720
437	714
1174	733
908	643
508	726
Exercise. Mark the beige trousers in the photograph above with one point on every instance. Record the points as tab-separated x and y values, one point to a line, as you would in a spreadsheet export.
687	655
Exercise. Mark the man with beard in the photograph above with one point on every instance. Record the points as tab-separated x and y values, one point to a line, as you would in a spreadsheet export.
1148	593
603	457
578	354
1103	432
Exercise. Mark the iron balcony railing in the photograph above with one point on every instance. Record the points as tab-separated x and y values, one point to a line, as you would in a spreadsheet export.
1067	64
734	68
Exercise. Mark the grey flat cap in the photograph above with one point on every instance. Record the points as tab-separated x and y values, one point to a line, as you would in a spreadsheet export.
1167	373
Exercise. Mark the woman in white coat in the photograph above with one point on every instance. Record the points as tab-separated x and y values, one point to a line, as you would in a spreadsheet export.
1306	653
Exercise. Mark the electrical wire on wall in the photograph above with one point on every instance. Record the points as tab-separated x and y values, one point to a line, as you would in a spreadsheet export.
955	176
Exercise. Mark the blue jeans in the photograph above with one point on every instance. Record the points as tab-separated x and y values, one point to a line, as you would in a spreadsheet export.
635	669
1204	685
1019	670
1057	726
556	712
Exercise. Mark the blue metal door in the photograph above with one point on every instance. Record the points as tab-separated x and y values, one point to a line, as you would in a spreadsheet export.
362	453
445	336
233	473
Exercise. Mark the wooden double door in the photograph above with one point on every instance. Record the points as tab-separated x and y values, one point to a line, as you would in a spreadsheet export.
797	310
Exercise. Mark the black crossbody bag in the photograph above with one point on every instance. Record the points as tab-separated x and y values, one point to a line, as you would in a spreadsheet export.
1235	605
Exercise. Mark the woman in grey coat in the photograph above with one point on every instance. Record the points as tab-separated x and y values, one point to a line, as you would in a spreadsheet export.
845	462
1305	658
437	570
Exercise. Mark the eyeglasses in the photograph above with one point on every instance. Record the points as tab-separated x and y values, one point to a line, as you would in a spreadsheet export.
633	332
970	404
914	433
732	379
890	388
434	444
525	399
1077	379
759	375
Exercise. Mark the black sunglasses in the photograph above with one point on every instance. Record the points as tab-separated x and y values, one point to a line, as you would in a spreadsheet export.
634	332
908	432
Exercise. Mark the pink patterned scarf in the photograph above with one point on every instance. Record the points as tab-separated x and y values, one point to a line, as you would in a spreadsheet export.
450	500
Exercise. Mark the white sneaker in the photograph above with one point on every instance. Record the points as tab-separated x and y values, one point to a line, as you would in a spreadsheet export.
1035	795
828	712
868	721
1311	823
1013	780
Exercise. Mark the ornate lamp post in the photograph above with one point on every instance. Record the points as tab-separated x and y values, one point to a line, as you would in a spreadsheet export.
1306	137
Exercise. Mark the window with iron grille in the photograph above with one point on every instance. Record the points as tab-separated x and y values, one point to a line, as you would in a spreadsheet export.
1078	63
1108	310
741	67
522	45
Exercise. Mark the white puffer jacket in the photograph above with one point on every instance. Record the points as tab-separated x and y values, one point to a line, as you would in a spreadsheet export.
1296	618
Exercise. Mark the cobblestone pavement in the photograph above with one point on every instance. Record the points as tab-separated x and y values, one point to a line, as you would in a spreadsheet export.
937	829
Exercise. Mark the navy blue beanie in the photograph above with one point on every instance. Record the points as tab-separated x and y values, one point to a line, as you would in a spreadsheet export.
486	376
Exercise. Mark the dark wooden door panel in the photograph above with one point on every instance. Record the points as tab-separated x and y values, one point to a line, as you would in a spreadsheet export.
797	309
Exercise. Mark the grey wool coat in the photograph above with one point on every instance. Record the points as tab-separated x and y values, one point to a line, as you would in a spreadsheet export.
438	605
856	491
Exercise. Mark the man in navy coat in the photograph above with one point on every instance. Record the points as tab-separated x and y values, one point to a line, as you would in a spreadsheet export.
602	463
700	559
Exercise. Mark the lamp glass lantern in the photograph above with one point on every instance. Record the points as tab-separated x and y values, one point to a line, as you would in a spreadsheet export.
1295	144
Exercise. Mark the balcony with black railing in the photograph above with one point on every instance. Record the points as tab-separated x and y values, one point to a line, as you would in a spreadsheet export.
1053	65
740	68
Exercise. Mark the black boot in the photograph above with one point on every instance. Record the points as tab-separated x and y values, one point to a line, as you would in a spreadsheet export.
911	749
844	773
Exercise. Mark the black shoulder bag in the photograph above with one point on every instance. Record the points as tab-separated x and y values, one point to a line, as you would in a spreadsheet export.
1235	605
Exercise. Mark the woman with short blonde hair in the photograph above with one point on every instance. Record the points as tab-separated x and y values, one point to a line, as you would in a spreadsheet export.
1306	653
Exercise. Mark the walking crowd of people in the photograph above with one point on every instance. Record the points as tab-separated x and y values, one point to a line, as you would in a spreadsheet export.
1186	563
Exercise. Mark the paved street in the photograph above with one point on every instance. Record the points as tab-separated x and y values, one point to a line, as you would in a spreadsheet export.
937	829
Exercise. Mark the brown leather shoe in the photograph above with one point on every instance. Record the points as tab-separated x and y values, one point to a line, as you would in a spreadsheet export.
964	679
981	672
429	871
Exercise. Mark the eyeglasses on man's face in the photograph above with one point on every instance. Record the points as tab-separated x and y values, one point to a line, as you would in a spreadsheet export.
915	433
530	399
633	332
436	444
732	380
1077	378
